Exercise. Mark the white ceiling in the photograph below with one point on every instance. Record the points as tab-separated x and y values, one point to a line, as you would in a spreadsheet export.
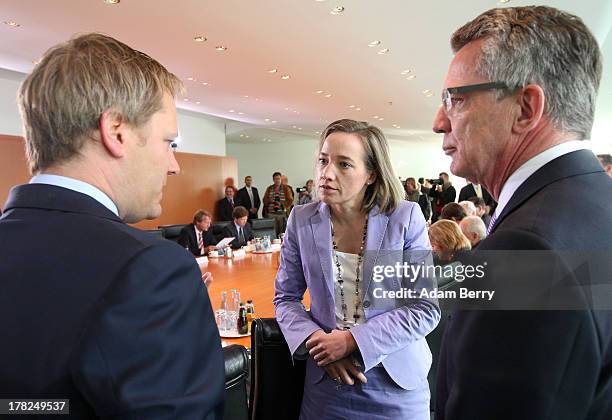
319	51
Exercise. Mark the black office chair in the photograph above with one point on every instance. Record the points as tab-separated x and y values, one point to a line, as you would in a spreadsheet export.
277	384
236	360
263	227
217	229
171	232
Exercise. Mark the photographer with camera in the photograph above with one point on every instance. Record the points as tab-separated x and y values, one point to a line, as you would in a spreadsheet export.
277	200
306	193
442	194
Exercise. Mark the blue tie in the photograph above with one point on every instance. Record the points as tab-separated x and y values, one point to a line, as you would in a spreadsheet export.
492	223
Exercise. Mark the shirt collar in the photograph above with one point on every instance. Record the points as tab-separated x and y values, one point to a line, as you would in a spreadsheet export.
78	186
528	168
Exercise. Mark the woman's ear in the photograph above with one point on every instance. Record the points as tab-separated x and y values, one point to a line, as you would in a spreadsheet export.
112	131
531	102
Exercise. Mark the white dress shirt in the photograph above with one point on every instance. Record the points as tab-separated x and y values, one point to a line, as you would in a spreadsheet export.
531	166
78	186
250	192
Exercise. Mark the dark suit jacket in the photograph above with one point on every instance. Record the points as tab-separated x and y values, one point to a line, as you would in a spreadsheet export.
187	239
243	199
539	364
225	209
109	316
230	230
468	191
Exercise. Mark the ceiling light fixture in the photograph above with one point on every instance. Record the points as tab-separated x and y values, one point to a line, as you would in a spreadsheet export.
374	44
246	96
426	91
274	121
186	99
231	110
380	119
351	106
191	79
267	119
405	72
319	91
220	48
112	1
383	51
299	128
337	10
205	83
246	137
199	38
375	117
12	23
412	76
357	109
329	95
241	113
272	71
285	77
503	1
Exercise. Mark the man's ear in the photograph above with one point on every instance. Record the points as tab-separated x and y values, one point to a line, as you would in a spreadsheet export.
112	127
531	101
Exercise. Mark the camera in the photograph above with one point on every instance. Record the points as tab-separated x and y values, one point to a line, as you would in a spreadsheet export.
436	181
300	190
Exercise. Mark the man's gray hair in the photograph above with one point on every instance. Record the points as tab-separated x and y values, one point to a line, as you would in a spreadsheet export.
543	46
474	224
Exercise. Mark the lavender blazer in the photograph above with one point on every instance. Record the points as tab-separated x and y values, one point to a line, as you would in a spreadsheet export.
395	331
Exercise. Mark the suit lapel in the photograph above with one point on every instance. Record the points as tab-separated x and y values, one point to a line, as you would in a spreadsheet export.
321	235
377	226
571	164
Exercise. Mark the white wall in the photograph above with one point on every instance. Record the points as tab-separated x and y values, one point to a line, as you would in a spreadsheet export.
199	133
296	159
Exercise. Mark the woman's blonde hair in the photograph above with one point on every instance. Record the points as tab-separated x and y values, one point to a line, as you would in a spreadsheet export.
386	191
447	235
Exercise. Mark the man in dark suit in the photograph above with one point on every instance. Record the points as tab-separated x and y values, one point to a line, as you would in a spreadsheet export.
198	236
93	310
518	132
248	197
226	205
239	229
441	195
476	190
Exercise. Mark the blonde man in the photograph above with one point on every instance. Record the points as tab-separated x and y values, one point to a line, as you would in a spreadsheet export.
108	316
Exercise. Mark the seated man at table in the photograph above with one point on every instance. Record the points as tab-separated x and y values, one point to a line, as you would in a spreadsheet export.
239	229
198	236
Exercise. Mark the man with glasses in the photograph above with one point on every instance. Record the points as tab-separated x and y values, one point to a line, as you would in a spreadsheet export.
517	109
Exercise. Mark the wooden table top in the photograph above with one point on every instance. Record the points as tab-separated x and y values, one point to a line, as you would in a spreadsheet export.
253	276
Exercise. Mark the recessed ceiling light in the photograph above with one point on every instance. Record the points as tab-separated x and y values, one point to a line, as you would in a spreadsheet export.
503	1
299	128
296	111
383	51
191	79
285	77
246	96
241	113
337	10
220	48
294	126
329	95
319	91
375	117
351	106
186	99
205	83
405	72
357	109
287	109
267	119
380	119
242	135
231	110
430	94
197	102
412	76
246	137
426	91
112	1
12	23
272	71
374	44
199	38
317	132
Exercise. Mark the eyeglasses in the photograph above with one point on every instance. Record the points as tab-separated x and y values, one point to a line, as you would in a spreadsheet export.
447	99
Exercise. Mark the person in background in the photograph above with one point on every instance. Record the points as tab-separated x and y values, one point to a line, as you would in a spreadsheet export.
226	205
106	315
441	194
453	211
415	194
482	210
285	182
365	356
474	229
476	190
277	200
518	102
240	230
469	208
447	244
198	237
248	197
306	196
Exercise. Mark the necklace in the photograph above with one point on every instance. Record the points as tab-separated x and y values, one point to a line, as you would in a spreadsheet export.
339	279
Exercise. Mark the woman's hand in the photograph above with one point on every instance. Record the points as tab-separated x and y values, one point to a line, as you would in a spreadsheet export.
344	371
327	348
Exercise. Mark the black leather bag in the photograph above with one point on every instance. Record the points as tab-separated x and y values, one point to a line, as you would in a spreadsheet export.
277	384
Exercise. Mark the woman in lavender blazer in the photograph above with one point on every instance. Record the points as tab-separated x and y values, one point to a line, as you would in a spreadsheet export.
367	357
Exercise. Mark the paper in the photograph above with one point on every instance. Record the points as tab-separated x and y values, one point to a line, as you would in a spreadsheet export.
224	242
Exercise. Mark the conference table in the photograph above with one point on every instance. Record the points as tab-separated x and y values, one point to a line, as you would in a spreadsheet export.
253	276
